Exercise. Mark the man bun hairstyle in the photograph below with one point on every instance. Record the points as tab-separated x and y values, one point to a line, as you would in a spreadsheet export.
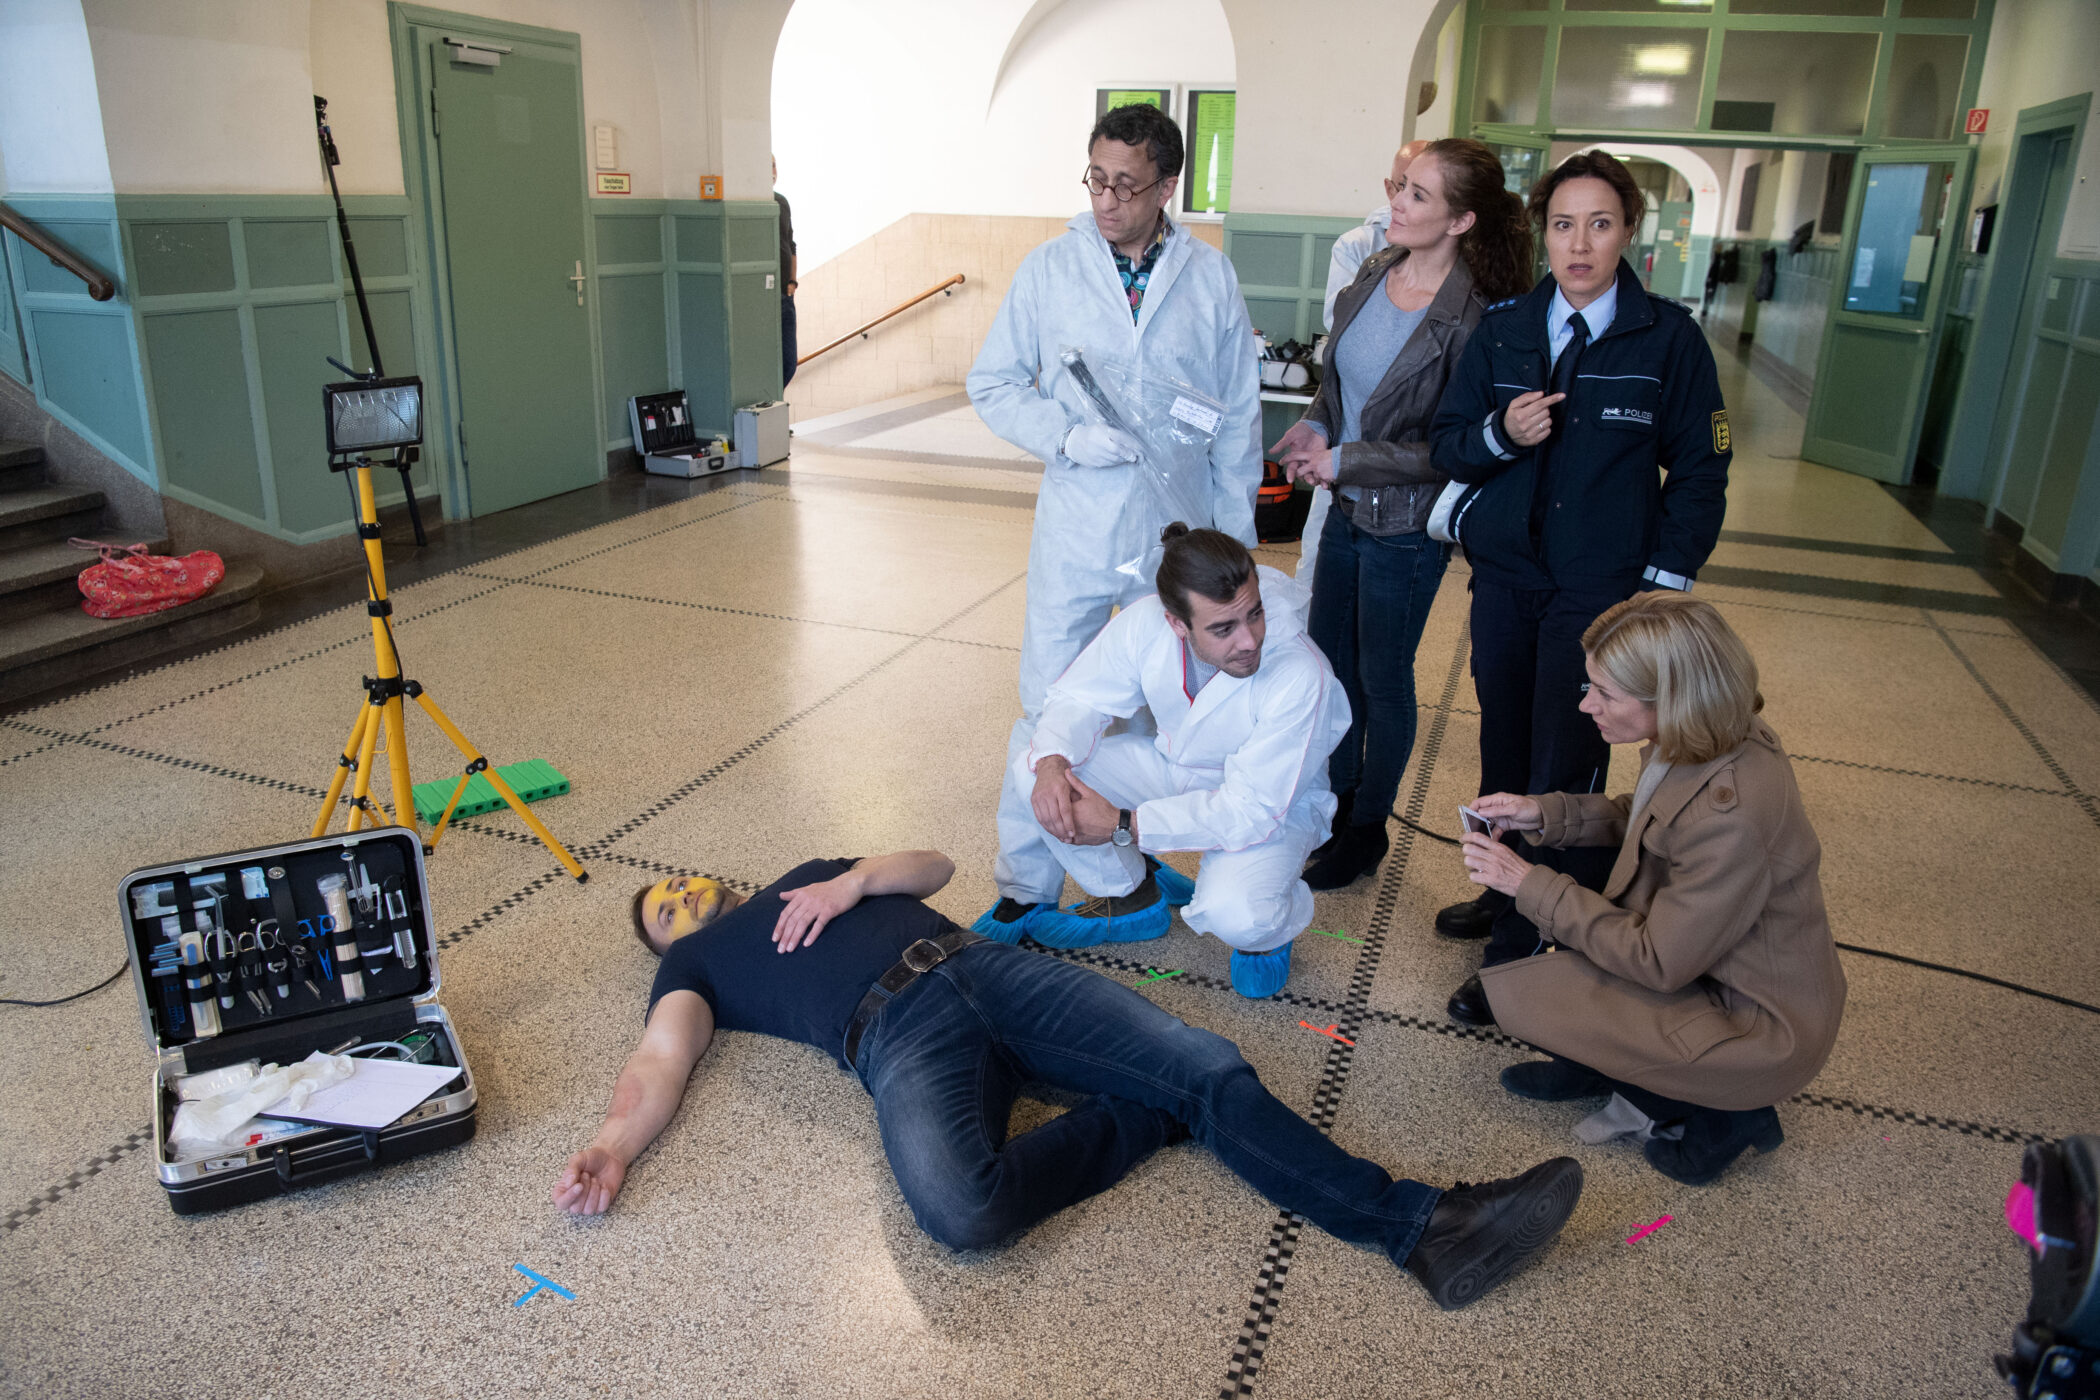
1676	653
1590	165
1142	124
1209	562
1498	248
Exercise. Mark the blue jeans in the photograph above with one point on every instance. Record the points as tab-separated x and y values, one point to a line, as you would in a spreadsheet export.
946	1058
1371	597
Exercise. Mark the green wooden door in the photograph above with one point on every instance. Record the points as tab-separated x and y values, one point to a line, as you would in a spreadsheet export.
510	159
2044	343
1882	335
1673	248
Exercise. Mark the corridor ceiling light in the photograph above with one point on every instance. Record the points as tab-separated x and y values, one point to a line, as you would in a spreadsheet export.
1642	94
1673	59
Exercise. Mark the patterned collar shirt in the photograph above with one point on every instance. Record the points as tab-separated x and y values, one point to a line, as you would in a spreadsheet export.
1136	276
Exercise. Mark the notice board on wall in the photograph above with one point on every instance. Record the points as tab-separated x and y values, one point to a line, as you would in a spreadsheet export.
1207	188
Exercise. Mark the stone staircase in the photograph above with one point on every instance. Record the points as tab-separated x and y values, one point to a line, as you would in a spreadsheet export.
46	641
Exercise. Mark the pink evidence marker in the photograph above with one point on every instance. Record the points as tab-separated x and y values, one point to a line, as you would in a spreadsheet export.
2019	1214
1647	1229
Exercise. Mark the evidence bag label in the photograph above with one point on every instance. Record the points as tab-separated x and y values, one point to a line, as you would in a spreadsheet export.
1201	417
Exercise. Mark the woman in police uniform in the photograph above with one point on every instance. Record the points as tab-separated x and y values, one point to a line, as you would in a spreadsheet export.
1566	402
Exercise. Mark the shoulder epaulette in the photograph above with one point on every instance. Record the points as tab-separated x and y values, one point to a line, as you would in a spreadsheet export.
1685	307
1502	305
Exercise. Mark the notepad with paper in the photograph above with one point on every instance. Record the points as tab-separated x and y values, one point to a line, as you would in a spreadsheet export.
378	1093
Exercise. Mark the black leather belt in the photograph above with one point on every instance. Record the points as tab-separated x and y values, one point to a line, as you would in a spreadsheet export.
922	956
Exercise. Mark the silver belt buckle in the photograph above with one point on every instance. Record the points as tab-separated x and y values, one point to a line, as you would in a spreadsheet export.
923	955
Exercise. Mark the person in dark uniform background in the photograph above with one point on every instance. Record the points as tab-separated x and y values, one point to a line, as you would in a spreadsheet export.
1566	402
787	282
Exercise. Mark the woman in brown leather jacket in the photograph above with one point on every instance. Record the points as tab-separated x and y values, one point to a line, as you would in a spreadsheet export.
1457	242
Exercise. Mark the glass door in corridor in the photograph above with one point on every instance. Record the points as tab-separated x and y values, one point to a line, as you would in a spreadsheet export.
1880	342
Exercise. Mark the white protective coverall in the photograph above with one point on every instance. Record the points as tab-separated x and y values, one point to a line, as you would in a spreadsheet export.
1192	326
1239	772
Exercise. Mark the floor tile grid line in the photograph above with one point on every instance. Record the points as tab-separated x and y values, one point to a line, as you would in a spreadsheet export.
32	753
751	496
1935	777
723	765
52	1195
713	608
1726	603
2083	798
362	636
2070	681
1258	1325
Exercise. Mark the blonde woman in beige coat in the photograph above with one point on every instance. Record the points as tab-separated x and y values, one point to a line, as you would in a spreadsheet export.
1701	987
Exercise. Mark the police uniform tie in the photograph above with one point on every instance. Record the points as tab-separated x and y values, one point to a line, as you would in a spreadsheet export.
1562	382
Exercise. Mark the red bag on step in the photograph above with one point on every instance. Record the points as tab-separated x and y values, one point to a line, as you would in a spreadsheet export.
130	582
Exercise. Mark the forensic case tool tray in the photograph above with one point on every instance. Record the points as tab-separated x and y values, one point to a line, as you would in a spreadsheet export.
269	955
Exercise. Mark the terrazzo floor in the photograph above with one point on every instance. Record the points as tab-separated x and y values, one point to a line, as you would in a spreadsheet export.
819	658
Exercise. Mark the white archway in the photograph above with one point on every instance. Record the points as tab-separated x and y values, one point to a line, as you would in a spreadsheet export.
1698	173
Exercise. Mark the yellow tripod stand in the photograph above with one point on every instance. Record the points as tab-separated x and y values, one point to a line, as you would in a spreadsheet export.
382	711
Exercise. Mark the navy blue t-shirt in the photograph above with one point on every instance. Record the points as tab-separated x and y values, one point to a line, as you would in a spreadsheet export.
809	994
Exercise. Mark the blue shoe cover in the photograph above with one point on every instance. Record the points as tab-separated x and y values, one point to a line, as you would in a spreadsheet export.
1068	928
1013	930
1259	975
1177	887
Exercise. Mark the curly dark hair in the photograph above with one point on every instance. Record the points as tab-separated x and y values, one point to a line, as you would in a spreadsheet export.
1590	165
1497	249
1142	124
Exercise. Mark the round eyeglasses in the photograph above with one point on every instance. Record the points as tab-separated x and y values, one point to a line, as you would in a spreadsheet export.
1122	193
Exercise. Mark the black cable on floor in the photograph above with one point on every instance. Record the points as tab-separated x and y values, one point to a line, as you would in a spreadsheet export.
11	1001
1973	976
1417	826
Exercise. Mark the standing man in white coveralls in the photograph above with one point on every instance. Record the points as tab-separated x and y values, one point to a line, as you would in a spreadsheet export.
1347	256
1246	711
1124	283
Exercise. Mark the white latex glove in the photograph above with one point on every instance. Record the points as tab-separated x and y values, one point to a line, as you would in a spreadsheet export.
1091	445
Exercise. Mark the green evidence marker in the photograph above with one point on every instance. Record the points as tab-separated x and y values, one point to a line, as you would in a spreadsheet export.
1343	936
1158	976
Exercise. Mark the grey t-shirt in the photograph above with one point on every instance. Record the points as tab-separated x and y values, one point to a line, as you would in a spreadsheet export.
1366	351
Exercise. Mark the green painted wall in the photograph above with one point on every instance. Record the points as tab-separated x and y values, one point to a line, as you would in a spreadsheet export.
80	356
1281	261
683	303
2052	463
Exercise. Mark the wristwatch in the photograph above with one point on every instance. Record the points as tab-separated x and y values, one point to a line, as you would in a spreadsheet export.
1123	835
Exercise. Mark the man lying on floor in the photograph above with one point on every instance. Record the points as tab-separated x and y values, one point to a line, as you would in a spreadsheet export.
944	1027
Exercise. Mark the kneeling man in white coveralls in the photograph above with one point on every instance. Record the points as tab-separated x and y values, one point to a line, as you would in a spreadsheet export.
1247	711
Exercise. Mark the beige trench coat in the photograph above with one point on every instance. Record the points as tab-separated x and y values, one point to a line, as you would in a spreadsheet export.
1705	971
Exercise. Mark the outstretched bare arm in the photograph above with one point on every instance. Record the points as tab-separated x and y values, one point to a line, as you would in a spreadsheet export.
648	1093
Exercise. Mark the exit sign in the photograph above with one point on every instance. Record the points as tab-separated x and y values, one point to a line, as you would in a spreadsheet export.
1979	120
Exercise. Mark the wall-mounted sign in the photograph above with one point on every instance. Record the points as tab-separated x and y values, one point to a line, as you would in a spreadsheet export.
1207	189
615	182
710	187
1979	121
1108	98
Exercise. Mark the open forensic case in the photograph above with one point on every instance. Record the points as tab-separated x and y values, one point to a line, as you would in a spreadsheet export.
269	955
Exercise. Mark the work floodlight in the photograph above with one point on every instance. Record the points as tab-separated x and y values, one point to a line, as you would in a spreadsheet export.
373	415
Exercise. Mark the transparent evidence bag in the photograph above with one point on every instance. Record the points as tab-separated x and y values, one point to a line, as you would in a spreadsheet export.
284	968
1173	424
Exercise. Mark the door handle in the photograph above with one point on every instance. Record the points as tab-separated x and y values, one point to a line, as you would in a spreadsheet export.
577	278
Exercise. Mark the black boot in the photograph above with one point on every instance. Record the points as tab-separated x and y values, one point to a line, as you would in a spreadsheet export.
1473	919
1712	1139
1469	1004
1356	852
1555	1081
1480	1235
1344	804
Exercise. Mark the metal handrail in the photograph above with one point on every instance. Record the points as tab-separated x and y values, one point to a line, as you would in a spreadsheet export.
862	331
99	287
